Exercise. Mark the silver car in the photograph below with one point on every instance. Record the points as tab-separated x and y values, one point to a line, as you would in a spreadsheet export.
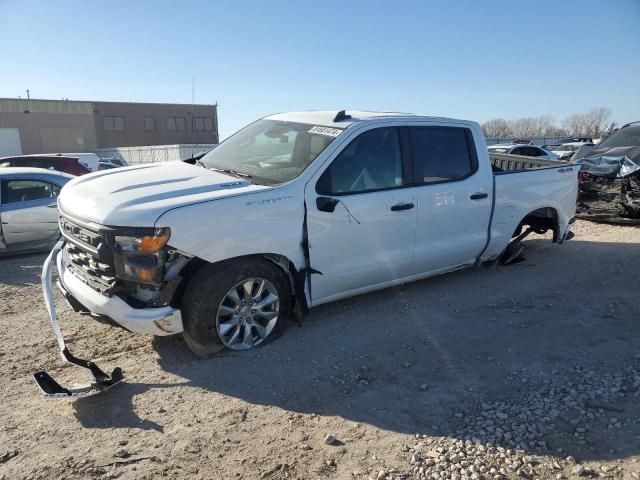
526	150
28	213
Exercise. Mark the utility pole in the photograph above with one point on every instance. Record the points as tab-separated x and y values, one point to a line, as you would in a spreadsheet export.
193	117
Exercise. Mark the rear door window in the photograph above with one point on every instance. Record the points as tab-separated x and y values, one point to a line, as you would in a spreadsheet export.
442	154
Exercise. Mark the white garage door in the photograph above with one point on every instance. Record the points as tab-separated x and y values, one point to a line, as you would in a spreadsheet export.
10	142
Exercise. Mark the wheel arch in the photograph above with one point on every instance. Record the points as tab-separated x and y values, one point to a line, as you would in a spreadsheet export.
541	220
294	276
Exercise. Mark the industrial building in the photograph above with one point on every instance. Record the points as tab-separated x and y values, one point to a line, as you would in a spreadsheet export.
50	126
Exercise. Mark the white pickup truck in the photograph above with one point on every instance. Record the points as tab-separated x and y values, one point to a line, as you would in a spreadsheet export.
294	210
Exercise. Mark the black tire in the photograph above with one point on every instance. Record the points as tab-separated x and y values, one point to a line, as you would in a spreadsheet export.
206	291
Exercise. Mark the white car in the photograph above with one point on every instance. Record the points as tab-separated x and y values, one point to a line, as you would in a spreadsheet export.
567	150
293	211
28	213
525	150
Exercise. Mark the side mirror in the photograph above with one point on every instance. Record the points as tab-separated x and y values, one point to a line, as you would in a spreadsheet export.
326	204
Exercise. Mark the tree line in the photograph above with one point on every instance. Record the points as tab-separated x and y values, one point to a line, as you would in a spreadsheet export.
589	124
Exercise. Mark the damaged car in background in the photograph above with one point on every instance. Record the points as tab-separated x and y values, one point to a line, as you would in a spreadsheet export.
293	211
609	188
28	214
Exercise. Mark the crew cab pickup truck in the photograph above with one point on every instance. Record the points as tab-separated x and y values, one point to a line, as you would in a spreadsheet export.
293	211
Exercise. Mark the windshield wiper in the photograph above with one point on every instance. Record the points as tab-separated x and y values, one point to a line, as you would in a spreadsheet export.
230	171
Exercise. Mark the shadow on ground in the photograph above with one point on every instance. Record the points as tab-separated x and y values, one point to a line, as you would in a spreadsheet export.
114	408
21	269
553	337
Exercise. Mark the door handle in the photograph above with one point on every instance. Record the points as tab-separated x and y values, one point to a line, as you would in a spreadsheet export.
402	206
478	196
52	205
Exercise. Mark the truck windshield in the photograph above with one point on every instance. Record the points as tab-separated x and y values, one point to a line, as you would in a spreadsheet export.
270	152
625	137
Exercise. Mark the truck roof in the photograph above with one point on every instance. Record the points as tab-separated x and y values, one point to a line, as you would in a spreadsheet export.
327	118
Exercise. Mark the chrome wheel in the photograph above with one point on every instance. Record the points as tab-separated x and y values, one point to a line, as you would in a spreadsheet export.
248	313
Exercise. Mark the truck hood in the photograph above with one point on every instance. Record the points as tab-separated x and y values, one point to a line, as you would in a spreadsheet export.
137	196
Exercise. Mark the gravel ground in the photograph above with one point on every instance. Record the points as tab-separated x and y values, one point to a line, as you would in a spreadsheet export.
525	371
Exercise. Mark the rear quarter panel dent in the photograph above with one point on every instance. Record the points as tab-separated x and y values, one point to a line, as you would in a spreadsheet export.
524	192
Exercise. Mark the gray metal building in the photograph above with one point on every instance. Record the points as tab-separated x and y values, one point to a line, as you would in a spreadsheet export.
51	126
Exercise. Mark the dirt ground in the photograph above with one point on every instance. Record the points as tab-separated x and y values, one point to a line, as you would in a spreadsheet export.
523	371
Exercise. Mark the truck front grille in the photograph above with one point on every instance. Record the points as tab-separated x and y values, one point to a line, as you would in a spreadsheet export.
99	276
82	257
80	235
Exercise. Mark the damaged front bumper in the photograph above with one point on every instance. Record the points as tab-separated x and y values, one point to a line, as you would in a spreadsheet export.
154	321
157	321
609	189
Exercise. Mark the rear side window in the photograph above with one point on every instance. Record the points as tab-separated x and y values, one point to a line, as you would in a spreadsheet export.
532	152
529	151
15	191
48	164
34	163
442	154
371	162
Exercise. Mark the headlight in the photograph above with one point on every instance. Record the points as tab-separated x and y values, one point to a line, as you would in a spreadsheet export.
140	258
144	244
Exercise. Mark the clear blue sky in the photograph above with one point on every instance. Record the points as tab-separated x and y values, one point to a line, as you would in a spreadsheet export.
468	59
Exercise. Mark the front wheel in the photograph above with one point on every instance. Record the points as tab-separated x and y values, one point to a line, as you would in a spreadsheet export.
238	304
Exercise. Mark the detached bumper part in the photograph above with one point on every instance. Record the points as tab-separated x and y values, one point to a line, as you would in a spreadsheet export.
102	382
51	388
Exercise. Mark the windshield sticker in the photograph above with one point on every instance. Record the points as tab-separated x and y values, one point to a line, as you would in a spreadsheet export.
328	131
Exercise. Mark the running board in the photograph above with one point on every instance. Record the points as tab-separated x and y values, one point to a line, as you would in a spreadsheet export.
49	387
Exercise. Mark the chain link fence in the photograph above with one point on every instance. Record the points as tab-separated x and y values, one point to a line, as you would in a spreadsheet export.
168	153
154	153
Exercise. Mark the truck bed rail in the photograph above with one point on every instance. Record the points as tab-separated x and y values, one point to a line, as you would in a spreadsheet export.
507	162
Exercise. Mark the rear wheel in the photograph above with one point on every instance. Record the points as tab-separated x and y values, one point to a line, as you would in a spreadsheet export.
238	304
